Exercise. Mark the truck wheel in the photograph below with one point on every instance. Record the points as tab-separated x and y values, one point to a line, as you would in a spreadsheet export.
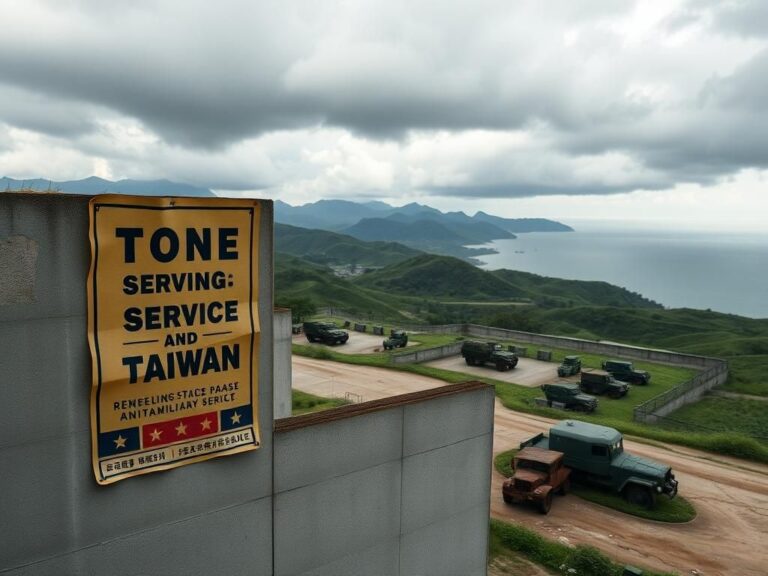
507	499
468	361
501	366
565	487
640	496
546	504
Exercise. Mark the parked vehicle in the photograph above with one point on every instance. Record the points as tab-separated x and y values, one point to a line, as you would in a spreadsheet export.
538	474
569	396
325	332
397	339
601	382
571	365
625	371
477	353
595	454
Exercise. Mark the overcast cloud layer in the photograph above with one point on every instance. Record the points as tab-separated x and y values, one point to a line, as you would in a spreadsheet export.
482	99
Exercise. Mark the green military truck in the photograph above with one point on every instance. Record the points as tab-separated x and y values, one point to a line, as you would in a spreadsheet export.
477	353
625	371
570	366
397	339
568	396
325	332
595	454
601	382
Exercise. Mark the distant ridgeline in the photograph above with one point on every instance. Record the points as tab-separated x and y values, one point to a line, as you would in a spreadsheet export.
415	225
95	185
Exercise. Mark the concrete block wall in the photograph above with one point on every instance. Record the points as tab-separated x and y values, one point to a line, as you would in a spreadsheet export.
213	517
394	487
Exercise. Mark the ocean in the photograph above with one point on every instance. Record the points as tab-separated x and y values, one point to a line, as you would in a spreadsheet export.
706	270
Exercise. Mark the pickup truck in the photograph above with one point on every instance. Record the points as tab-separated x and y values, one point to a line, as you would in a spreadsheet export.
538	474
595	454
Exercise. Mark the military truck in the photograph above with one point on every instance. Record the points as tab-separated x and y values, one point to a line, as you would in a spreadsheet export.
538	474
595	454
601	382
570	396
397	339
571	365
625	371
325	332
477	353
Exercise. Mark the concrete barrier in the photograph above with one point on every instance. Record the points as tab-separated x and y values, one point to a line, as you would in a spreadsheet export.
426	355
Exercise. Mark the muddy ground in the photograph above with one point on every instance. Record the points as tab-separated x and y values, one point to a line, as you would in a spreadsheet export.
728	537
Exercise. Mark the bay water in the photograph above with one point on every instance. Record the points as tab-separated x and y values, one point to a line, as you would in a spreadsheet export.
725	272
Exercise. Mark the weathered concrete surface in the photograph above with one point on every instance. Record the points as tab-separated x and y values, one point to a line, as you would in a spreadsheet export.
528	372
420	470
55	518
282	362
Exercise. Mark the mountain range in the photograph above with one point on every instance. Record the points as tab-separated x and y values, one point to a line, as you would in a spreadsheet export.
415	225
96	185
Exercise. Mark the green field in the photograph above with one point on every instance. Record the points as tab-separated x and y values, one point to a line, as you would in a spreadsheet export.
749	417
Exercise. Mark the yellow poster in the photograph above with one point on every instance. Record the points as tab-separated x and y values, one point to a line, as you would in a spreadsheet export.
173	328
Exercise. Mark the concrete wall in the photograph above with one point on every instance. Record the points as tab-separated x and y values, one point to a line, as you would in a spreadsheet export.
214	517
592	347
398	487
681	395
427	354
393	487
283	372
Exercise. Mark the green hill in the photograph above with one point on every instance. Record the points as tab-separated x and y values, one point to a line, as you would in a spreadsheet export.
440	277
577	292
331	248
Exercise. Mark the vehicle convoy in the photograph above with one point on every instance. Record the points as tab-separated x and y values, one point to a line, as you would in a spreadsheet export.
397	339
595	454
625	371
477	353
538	474
569	396
601	382
570	366
325	332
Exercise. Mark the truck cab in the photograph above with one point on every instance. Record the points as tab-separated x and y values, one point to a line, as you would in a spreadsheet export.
538	473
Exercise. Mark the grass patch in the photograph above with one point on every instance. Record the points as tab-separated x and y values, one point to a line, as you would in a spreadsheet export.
749	417
303	403
676	510
748	375
585	560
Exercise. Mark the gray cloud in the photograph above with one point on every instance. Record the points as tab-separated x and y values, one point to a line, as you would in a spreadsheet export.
197	91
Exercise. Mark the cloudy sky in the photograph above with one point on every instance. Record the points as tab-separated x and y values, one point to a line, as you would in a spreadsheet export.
568	109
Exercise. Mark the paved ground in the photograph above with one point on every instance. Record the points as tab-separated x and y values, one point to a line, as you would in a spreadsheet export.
358	343
728	537
528	372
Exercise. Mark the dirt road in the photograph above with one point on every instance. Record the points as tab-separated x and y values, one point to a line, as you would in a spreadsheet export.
358	343
728	537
